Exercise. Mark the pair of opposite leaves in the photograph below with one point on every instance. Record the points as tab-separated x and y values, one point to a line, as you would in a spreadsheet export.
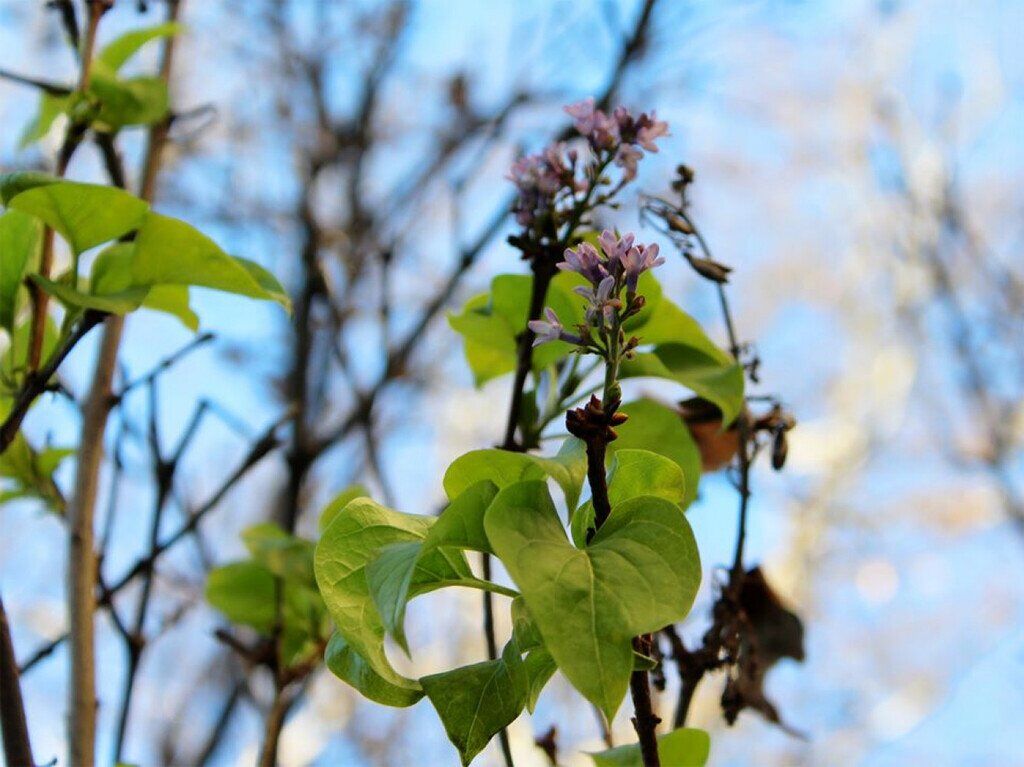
639	573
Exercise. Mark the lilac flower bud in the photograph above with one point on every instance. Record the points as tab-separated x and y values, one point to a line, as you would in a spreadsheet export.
605	133
614	249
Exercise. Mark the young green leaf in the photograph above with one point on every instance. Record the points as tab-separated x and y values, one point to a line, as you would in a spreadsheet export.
20	238
655	427
476	701
490	324
632	473
461	524
391	579
134	101
349	666
502	467
245	593
172	300
540	667
171	252
355	538
29	473
112	276
685	747
85	215
286	556
339	502
115	303
640	572
115	53
51	106
715	380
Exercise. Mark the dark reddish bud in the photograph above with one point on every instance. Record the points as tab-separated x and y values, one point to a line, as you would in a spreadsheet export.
780	448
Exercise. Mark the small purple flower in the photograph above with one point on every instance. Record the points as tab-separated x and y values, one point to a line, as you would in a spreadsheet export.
648	129
627	158
582	113
585	260
637	261
550	330
600	301
605	133
614	249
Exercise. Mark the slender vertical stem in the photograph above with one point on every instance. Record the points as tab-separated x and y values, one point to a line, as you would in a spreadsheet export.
13	723
82	570
272	729
645	721
81	588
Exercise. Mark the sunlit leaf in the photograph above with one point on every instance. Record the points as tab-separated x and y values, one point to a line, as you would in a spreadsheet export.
349	666
115	53
171	252
85	215
20	238
640	573
476	701
502	467
685	747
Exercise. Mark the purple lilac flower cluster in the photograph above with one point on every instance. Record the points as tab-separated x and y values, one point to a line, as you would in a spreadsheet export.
542	178
615	265
620	132
549	179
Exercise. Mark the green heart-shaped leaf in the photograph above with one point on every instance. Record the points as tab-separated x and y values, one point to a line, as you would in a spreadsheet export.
655	427
640	573
460	526
632	473
502	467
350	543
349	666
476	701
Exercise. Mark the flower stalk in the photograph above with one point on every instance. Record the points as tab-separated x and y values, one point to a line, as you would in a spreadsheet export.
612	270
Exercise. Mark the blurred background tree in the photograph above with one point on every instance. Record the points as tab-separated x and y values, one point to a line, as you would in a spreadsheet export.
859	163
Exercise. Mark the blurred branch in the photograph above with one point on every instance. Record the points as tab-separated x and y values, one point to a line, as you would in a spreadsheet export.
261	448
13	723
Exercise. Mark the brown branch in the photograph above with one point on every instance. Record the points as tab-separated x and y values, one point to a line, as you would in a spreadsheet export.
594	425
82	563
38	382
261	448
47	86
13	723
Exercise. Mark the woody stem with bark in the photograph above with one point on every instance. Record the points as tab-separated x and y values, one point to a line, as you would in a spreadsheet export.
645	721
82	570
593	424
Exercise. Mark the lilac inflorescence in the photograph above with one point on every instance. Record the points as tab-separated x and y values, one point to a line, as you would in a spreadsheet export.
548	178
615	265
